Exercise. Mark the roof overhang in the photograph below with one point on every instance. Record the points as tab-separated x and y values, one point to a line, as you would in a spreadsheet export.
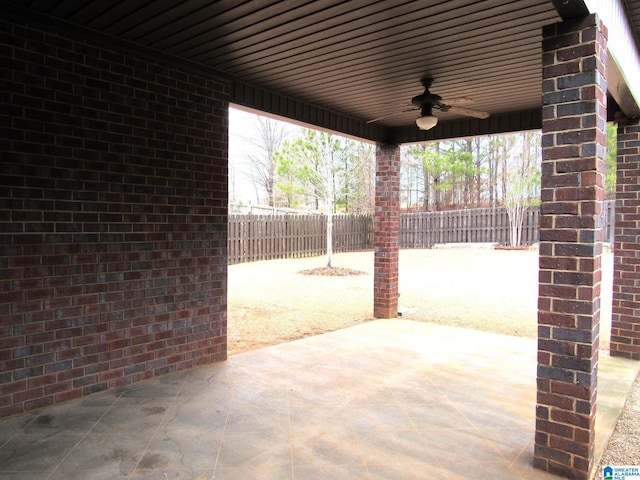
336	65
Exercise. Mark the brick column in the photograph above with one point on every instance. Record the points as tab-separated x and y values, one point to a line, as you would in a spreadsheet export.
625	325
386	232
573	141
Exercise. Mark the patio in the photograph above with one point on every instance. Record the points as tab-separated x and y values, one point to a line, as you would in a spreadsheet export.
115	187
389	399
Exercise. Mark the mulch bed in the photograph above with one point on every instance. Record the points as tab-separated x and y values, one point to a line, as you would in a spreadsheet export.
332	272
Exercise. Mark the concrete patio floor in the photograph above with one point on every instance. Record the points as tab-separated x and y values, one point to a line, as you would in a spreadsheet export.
388	399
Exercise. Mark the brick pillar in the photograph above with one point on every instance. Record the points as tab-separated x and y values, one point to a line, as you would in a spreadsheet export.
386	232
574	139
625	325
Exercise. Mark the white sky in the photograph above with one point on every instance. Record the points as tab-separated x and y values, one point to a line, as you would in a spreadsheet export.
240	188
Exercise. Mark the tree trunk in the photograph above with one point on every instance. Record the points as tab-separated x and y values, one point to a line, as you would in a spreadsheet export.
330	200
468	176
478	175
329	238
425	200
503	162
492	175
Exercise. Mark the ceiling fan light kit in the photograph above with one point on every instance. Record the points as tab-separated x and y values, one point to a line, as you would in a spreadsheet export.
426	122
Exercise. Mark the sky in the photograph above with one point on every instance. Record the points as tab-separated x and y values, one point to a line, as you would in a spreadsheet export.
240	188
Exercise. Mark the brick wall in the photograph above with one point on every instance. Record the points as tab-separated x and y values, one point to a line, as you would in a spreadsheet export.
113	218
574	144
625	325
386	238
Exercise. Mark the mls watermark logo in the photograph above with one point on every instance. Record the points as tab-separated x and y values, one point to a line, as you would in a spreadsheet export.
621	473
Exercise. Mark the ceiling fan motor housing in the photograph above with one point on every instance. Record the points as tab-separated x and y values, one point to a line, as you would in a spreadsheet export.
427	98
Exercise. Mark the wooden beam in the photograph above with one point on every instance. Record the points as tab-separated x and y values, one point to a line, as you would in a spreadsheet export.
277	105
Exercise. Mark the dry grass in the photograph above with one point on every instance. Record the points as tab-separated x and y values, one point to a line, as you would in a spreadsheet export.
479	288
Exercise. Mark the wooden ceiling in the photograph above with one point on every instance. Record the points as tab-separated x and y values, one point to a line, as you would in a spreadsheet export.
359	59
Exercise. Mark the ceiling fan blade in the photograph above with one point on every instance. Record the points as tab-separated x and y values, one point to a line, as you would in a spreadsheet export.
392	115
468	112
457	101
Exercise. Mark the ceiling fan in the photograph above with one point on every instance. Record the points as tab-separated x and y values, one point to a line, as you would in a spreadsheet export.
427	102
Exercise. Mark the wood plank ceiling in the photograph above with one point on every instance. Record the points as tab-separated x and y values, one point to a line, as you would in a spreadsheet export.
361	58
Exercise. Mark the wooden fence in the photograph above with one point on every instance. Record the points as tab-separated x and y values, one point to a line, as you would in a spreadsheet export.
478	225
265	237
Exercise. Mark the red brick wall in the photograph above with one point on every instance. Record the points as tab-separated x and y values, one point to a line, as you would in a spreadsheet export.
386	232
625	327
113	218
574	143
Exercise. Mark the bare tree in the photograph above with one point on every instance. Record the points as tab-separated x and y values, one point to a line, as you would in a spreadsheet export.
269	137
479	170
493	171
357	192
411	181
522	185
